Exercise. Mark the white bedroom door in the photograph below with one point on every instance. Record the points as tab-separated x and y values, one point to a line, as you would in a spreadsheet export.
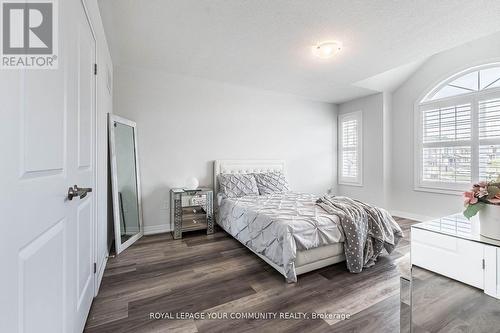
48	145
82	164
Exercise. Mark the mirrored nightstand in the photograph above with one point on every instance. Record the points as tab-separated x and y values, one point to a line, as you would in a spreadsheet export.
191	210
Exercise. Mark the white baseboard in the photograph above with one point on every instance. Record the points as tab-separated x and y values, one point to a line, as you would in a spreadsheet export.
412	216
156	229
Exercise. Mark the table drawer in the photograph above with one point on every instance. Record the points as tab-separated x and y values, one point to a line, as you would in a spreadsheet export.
194	224
193	210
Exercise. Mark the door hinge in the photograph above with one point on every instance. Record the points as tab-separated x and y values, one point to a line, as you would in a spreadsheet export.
95	268
95	69
484	264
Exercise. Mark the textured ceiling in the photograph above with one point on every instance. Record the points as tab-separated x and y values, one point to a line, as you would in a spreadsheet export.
267	43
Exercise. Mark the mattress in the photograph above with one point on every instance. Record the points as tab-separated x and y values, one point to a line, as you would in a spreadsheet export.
288	229
318	254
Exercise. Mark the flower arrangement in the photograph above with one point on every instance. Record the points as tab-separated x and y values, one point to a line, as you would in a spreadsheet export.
482	193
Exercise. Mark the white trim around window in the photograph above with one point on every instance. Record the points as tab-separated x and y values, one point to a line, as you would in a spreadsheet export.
350	157
457	138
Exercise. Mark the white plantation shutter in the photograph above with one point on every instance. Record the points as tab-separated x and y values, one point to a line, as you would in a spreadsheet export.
350	127
350	148
489	119
489	162
447	164
448	124
489	139
446	139
458	136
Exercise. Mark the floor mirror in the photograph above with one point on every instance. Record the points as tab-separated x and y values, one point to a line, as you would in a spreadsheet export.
125	182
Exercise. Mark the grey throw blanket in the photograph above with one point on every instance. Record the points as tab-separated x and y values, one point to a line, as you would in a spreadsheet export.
367	230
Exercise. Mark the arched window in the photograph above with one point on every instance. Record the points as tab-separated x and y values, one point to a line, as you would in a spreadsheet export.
458	131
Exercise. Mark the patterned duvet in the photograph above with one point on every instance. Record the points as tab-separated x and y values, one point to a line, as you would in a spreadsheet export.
278	225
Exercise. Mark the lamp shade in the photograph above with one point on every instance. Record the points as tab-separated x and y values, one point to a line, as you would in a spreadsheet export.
192	183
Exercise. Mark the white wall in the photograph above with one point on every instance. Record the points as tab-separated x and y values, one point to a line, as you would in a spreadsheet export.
403	197
372	190
183	124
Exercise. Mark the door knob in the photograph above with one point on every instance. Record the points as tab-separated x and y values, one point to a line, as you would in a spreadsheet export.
76	191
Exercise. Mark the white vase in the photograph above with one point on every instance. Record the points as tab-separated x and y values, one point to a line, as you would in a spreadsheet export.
489	219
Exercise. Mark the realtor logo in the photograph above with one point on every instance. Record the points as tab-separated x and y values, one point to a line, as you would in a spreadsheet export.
29	34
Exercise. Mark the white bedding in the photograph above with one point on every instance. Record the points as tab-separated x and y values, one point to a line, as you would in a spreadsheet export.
278	226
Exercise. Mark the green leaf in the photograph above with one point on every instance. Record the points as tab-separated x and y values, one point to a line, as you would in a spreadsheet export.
493	191
472	210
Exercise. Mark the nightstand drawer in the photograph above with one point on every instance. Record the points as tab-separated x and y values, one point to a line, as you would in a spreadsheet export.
192	210
197	217
194	200
194	224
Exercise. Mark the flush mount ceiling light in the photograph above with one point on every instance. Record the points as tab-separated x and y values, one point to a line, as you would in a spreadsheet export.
327	50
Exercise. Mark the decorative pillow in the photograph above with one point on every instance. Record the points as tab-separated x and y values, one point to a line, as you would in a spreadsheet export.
237	185
271	182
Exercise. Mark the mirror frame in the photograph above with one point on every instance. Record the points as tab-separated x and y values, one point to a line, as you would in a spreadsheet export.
119	246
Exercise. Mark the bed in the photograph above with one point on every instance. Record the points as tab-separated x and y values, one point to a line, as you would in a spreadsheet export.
287	230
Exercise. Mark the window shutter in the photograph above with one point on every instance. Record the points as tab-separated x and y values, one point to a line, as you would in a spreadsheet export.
489	162
489	119
447	164
489	139
445	158
350	148
447	124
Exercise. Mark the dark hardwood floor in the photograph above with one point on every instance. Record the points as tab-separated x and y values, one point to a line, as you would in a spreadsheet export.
216	274
444	305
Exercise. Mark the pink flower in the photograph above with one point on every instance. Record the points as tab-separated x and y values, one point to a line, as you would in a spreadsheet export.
470	199
482	193
482	184
494	201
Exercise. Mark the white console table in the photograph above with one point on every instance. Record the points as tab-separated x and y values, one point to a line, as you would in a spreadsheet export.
452	246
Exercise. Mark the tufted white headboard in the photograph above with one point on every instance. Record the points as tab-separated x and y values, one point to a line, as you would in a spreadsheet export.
246	166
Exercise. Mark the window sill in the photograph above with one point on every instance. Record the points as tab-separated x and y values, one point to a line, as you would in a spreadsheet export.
439	190
350	184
